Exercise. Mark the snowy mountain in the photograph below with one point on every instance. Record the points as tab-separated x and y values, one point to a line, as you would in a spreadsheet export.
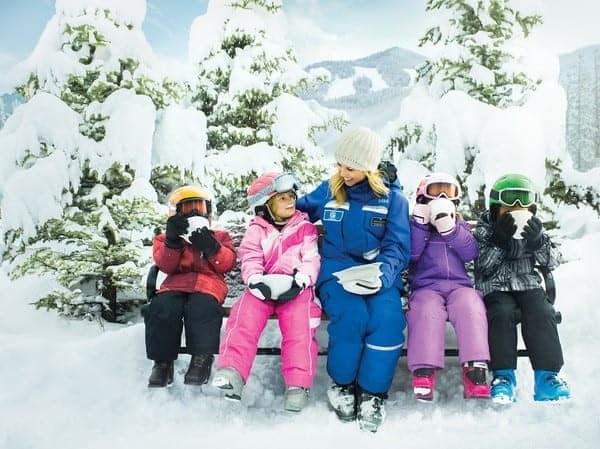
580	77
369	89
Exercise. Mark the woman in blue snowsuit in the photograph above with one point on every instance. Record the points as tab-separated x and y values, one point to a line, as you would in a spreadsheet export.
366	230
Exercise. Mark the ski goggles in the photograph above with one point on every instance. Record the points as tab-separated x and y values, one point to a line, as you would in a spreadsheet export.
442	190
285	182
193	206
510	197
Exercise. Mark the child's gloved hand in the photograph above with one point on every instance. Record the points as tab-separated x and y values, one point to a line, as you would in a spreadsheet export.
504	229
532	233
441	207
445	225
301	279
204	240
176	226
421	213
258	288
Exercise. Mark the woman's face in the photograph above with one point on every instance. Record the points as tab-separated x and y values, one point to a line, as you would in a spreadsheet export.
350	175
283	205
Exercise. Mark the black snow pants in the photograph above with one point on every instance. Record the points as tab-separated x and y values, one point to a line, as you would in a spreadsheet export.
169	312
538	328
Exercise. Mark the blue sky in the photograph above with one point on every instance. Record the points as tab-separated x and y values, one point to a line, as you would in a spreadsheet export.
318	29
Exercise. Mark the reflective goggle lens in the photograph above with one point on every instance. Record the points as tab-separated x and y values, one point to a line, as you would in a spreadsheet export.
438	189
511	197
284	183
189	207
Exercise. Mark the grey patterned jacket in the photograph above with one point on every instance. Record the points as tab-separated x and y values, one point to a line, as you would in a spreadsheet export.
497	269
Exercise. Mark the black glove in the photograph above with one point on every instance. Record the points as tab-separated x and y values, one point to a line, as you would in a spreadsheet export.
204	240
504	229
532	233
176	226
260	290
294	291
388	171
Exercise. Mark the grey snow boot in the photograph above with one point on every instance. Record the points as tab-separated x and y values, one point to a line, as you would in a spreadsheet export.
295	399
229	380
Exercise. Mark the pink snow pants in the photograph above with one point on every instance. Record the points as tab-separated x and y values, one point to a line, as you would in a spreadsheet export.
428	312
298	322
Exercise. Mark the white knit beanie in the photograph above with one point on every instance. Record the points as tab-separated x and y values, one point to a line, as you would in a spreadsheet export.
360	149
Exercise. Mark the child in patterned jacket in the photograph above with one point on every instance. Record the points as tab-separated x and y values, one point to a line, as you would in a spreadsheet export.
280	264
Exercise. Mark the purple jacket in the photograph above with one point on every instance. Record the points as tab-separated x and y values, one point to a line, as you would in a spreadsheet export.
438	260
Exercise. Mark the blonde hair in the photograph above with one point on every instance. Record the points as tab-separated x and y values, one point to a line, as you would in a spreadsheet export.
374	178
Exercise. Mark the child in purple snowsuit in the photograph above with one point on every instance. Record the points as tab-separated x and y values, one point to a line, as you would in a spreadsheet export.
442	291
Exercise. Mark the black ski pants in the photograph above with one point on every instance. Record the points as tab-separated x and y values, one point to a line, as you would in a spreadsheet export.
169	312
538	328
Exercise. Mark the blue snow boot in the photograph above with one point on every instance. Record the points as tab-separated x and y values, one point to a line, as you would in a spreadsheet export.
503	386
549	387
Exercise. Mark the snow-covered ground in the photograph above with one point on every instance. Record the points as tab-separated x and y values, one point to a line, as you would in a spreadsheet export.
75	384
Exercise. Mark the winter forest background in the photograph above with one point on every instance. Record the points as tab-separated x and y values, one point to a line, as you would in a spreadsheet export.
96	128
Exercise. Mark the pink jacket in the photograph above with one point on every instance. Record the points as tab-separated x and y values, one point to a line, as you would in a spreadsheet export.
264	249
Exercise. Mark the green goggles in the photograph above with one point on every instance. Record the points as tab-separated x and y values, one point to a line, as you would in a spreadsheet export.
510	197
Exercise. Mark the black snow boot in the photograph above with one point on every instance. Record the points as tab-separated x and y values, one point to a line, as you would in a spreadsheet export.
199	370
161	375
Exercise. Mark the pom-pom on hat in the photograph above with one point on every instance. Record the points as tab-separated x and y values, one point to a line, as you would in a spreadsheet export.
360	149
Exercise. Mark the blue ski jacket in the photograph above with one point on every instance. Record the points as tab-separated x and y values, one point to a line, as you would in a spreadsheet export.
366	228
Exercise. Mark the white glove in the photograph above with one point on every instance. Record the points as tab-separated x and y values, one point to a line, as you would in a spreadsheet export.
363	286
364	271
440	207
361	279
445	225
421	213
302	280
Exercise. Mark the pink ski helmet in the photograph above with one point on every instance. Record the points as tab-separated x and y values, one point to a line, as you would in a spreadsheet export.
268	185
439	185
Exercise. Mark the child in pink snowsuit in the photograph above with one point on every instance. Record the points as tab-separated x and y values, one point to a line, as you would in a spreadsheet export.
442	291
280	264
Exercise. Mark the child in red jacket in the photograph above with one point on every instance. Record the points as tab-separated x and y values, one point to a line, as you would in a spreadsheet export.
194	258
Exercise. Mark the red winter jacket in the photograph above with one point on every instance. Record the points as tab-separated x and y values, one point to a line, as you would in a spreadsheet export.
188	271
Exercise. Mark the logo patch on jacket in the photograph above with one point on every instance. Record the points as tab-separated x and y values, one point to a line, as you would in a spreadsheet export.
378	221
333	215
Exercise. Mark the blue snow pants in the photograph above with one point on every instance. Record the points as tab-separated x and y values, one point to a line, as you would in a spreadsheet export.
365	336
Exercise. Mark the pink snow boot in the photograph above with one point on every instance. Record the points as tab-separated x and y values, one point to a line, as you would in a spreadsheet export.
474	380
423	382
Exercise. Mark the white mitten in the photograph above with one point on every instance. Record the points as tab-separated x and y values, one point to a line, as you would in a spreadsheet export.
364	271
421	213
302	280
363	286
445	225
440	207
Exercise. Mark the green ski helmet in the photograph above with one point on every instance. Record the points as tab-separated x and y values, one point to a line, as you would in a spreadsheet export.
512	189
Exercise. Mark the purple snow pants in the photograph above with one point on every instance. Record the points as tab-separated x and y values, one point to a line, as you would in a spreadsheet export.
429	309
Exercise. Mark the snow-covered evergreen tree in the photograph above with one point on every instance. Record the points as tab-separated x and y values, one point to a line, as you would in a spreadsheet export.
94	77
483	91
247	77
